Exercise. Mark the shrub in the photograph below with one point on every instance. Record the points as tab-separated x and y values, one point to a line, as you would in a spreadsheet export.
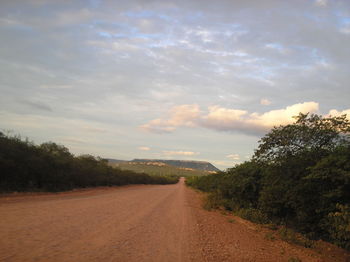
212	200
297	176
293	237
51	167
339	226
253	214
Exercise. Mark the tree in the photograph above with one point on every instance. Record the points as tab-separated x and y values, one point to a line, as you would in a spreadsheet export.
55	149
298	177
310	133
306	172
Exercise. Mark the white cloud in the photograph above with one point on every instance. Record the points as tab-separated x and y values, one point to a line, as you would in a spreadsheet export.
265	102
233	157
281	116
180	153
144	148
183	115
158	126
222	163
227	119
224	115
335	112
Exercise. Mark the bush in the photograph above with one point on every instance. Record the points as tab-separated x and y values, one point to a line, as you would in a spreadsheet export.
212	201
299	177
293	237
51	167
339	226
254	215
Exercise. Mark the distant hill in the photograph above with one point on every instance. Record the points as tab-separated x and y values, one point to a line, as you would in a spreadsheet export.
185	164
110	160
165	167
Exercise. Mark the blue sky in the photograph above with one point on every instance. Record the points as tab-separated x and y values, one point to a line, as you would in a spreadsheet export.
200	80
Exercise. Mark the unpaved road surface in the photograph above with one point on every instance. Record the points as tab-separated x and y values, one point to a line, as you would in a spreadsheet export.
136	223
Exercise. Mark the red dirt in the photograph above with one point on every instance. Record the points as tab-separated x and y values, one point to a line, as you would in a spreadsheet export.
136	223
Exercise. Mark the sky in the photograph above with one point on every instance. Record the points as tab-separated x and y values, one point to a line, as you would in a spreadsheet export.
192	80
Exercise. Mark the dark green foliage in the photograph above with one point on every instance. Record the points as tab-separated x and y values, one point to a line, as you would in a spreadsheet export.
205	183
51	167
298	177
338	226
241	185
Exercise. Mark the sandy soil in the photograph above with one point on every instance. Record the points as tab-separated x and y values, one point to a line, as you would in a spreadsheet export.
136	223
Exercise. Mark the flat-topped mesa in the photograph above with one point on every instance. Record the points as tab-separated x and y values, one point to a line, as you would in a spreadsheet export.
191	164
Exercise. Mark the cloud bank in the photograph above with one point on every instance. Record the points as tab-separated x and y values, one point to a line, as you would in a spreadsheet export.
233	120
112	66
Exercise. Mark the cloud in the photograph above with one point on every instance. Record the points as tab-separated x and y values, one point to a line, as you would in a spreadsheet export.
37	105
144	148
56	86
180	153
265	102
321	3
281	116
69	18
183	115
158	126
93	129
227	119
221	163
233	157
222	115
121	64
345	30
72	140
335	112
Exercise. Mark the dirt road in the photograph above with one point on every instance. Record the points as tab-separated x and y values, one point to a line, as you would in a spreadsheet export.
134	223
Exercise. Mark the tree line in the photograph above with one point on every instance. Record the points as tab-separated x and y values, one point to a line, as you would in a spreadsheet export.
299	177
25	166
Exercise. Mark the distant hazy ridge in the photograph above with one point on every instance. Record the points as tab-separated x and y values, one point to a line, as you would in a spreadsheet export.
191	164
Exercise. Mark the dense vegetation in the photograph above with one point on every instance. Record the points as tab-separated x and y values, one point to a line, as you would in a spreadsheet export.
299	177
25	166
157	170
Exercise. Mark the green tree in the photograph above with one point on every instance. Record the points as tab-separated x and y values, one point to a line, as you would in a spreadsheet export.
306	170
299	177
310	133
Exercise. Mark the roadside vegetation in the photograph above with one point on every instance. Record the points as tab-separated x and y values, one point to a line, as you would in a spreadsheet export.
298	178
25	166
